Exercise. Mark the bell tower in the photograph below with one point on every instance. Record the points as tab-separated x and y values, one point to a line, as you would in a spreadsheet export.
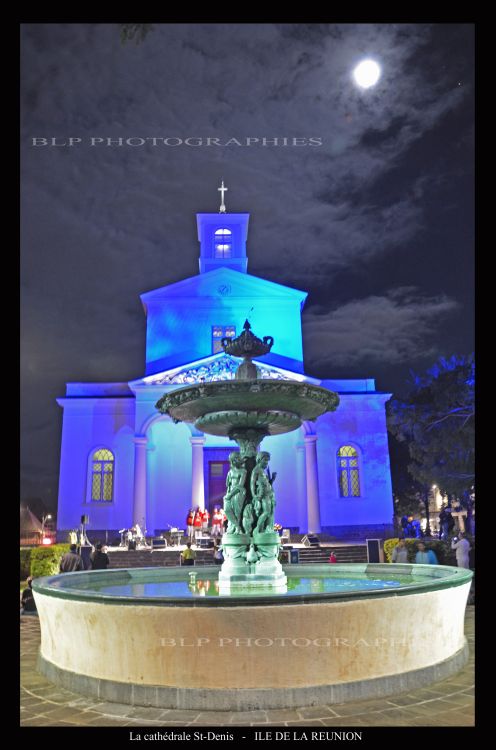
222	239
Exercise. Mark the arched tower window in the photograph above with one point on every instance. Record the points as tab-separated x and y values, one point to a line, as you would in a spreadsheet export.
348	471
102	476
222	243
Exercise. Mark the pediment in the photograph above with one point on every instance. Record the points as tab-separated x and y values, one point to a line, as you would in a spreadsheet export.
216	367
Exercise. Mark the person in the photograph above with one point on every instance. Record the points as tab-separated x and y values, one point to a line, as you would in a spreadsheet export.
217	519
71	561
462	547
332	557
412	529
446	522
28	603
409	530
205	520
197	522
99	559
188	555
425	556
400	552
404	524
189	523
218	555
418	529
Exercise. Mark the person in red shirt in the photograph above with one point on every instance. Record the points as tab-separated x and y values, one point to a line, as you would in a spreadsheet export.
205	520
189	523
197	521
333	558
217	521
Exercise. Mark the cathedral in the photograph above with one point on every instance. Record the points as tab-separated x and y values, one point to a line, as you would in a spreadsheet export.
123	463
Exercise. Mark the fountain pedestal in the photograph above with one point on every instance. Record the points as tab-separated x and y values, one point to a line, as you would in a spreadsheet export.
251	561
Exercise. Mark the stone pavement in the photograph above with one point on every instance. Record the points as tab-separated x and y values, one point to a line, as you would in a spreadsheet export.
446	703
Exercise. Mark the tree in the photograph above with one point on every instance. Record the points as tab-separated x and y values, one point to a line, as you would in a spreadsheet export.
436	420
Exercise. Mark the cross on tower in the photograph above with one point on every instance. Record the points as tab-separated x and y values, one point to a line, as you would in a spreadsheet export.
222	190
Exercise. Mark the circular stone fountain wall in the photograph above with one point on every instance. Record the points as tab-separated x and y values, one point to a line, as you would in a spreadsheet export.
247	652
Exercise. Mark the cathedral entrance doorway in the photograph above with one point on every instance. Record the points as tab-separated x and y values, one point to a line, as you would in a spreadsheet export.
216	466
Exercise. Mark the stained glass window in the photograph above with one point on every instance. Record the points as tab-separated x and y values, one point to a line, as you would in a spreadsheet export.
218	333
102	476
222	243
348	471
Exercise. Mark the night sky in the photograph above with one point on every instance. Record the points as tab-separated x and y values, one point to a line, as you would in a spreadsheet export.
376	223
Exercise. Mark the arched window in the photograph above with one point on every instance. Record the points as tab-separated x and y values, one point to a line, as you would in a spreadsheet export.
348	471
222	243
102	476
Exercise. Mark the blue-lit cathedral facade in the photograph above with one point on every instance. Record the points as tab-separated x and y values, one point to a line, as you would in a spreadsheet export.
123	463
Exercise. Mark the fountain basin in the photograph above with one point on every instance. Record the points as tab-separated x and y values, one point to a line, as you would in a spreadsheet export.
298	400
146	637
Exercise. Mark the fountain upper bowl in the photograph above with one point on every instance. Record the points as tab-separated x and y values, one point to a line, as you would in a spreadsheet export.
280	406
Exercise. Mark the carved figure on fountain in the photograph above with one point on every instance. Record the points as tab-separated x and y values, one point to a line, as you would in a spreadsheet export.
235	496
262	493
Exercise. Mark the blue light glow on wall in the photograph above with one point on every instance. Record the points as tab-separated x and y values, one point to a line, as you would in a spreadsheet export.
180	317
123	418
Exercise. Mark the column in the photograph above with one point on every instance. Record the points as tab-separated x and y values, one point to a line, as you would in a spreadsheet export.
301	486
139	504
197	480
313	504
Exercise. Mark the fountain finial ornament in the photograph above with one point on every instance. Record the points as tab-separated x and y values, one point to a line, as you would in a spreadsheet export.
247	345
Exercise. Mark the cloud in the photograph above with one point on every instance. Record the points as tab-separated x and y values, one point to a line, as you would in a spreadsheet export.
102	225
391	329
224	81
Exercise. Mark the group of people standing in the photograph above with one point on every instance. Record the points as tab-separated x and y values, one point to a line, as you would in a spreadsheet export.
411	528
198	521
72	560
425	556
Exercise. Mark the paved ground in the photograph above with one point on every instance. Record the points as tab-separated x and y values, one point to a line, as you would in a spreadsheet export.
446	703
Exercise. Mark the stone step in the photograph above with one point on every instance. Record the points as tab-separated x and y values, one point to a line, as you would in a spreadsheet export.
161	558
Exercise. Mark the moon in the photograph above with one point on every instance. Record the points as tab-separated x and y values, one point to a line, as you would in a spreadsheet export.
367	73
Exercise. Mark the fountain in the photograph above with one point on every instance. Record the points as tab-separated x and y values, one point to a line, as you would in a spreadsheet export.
246	410
254	634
